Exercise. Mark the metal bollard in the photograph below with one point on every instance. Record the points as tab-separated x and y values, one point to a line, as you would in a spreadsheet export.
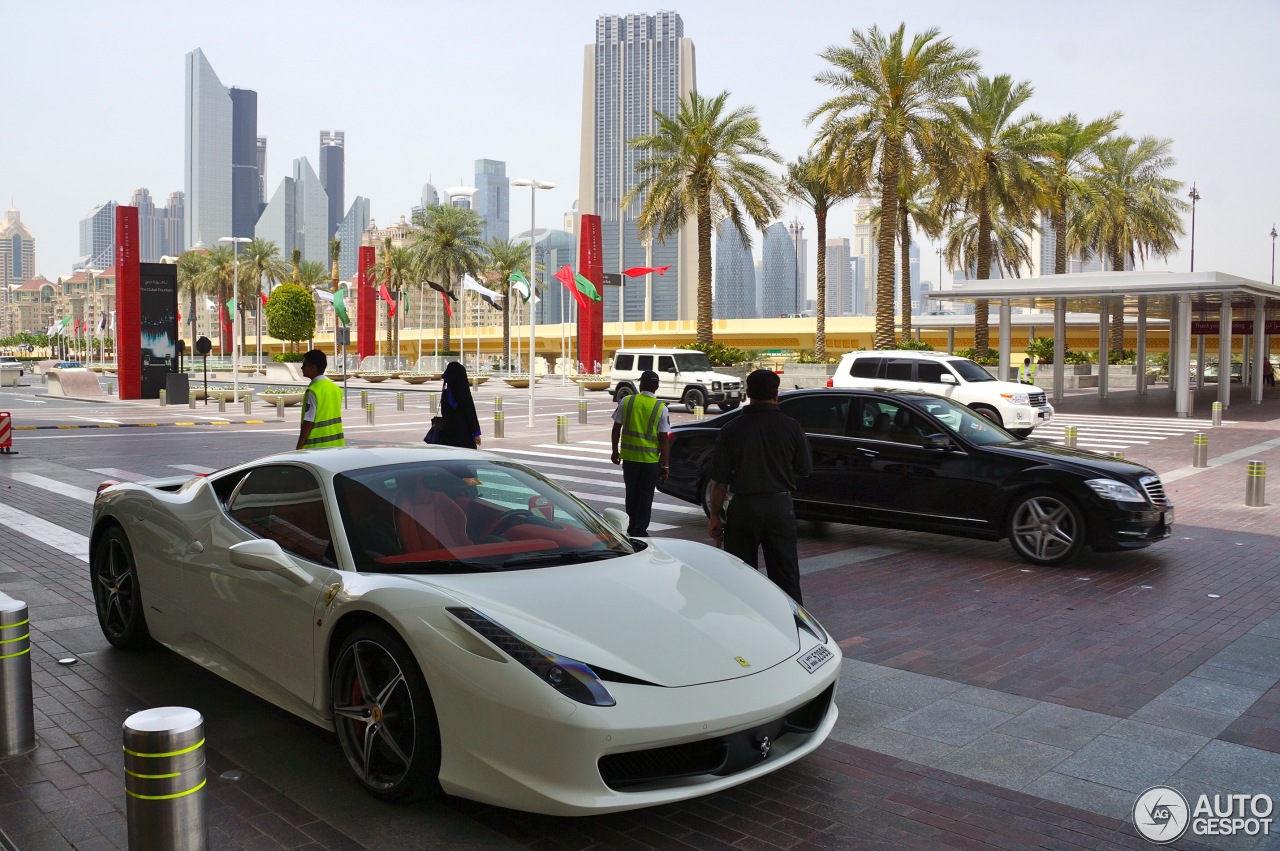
497	403
1199	449
279	409
164	779
699	413
562	429
364	398
1255	484
1217	413
434	399
499	424
191	401
582	412
368	413
582	391
399	401
164	398
17	714
1069	437
111	387
248	405
222	404
1119	456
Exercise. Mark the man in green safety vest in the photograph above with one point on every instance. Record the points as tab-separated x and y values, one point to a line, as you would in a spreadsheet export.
642	445
322	406
1027	372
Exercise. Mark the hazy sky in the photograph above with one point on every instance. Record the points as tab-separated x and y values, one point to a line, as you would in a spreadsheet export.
94	103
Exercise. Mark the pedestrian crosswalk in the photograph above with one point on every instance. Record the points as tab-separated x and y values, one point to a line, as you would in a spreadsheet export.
1112	433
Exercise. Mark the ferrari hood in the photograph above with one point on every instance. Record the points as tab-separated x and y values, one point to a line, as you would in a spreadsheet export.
675	614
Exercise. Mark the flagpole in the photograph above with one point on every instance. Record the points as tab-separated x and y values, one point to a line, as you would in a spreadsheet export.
422	296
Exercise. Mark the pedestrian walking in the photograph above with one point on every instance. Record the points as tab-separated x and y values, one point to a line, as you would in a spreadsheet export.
461	426
642	445
1269	373
321	406
758	457
1027	372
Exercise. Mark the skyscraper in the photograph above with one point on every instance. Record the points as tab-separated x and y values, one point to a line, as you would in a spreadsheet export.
355	223
839	278
246	190
298	215
779	272
638	64
333	174
207	161
17	260
864	248
175	216
261	150
802	265
98	237
493	199
735	279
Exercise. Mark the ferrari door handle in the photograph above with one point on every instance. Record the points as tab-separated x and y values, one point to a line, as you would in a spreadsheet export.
195	547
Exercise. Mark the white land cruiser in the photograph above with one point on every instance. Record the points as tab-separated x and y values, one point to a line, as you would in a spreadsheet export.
1017	407
684	375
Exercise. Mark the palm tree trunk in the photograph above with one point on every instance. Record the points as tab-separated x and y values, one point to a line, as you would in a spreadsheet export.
820	307
448	281
506	329
1116	342
1060	235
981	308
884	338
704	264
905	285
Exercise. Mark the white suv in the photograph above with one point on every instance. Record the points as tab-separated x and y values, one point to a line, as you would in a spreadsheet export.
1017	407
684	375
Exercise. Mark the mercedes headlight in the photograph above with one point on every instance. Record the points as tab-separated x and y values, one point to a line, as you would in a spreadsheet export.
1118	491
1017	398
573	679
808	622
715	385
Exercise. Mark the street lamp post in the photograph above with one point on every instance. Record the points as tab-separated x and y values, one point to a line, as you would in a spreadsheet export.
534	186
235	294
797	234
1194	196
1273	255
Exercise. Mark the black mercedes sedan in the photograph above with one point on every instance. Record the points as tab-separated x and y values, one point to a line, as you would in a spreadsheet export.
916	461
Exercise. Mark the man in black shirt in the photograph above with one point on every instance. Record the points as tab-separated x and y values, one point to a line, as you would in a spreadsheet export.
759	456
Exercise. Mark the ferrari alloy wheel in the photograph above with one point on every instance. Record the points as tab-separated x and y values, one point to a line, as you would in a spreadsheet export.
384	716
1046	528
116	594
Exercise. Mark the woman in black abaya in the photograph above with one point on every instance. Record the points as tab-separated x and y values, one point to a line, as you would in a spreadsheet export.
461	425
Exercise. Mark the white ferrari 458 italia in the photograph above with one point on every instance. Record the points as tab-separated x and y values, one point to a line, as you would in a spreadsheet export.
466	626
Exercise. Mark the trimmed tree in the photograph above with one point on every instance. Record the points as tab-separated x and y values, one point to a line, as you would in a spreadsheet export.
291	314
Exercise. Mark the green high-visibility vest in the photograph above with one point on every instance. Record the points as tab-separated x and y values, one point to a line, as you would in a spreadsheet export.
639	441
327	429
1027	373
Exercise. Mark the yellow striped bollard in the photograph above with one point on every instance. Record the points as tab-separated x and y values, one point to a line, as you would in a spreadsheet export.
164	779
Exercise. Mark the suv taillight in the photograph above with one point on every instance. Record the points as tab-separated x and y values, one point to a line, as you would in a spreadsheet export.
831	382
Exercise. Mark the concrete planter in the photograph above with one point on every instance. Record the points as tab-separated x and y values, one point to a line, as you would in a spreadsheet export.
289	399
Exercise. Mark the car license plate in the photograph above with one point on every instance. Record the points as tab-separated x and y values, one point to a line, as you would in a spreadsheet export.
1045	414
1168	517
815	658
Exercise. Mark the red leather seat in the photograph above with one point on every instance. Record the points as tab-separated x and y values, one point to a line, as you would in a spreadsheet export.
429	520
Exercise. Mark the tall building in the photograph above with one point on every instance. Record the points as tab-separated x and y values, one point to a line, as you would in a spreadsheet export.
430	197
98	237
159	228
175	216
246	189
864	247
260	148
638	65
298	215
801	245
355	223
735	275
207	160
333	174
461	196
839	278
779	272
493	199
17	261
553	249
862	306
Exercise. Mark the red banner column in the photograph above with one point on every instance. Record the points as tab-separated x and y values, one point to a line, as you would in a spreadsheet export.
591	320
128	305
367	311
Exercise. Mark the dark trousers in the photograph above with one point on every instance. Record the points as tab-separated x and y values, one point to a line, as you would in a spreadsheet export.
766	521
641	479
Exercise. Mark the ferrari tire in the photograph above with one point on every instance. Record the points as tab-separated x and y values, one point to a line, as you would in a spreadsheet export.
1046	528
384	716
117	597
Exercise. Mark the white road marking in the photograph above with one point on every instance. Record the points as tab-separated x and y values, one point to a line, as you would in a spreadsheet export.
120	474
657	506
55	486
93	419
579	447
44	532
505	451
194	468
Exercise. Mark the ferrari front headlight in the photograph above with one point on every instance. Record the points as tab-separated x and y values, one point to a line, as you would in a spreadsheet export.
808	622
571	678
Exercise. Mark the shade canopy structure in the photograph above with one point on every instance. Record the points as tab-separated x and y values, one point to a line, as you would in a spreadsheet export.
1196	305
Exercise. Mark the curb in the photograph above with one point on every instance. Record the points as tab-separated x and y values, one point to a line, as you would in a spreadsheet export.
139	425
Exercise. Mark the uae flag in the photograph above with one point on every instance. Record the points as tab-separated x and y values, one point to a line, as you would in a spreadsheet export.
386	296
565	276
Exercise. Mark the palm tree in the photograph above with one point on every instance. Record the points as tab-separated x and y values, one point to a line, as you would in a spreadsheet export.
818	188
191	280
891	97
259	261
697	162
504	258
1069	148
1135	212
1007	246
989	169
397	268
448	246
217	277
917	208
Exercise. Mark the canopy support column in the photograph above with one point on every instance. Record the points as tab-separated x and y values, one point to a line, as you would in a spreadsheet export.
1104	341
1180	364
1260	367
1006	344
1142	345
1224	352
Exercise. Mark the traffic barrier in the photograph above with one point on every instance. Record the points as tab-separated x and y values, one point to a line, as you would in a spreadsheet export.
111	387
17	713
164	398
562	428
191	401
399	401
164	779
434	400
582	391
6	433
497	403
368	413
1217	413
364	398
582	412
279	409
499	424
248	405
1119	456
222	404
699	413
1069	436
1199	449
1255	484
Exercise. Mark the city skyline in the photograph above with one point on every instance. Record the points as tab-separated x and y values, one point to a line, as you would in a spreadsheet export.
1144	63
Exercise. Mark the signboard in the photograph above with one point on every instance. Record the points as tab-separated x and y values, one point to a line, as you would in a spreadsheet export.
158	334
1239	327
128	309
612	279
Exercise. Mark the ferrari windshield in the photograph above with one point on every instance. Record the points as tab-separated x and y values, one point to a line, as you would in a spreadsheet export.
965	422
466	516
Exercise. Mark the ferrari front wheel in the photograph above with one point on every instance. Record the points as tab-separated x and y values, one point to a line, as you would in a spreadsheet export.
384	716
116	595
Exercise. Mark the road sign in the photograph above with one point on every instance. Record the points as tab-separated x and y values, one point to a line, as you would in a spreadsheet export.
612	279
203	346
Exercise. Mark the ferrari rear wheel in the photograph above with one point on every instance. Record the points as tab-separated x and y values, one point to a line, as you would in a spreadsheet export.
116	595
384	716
